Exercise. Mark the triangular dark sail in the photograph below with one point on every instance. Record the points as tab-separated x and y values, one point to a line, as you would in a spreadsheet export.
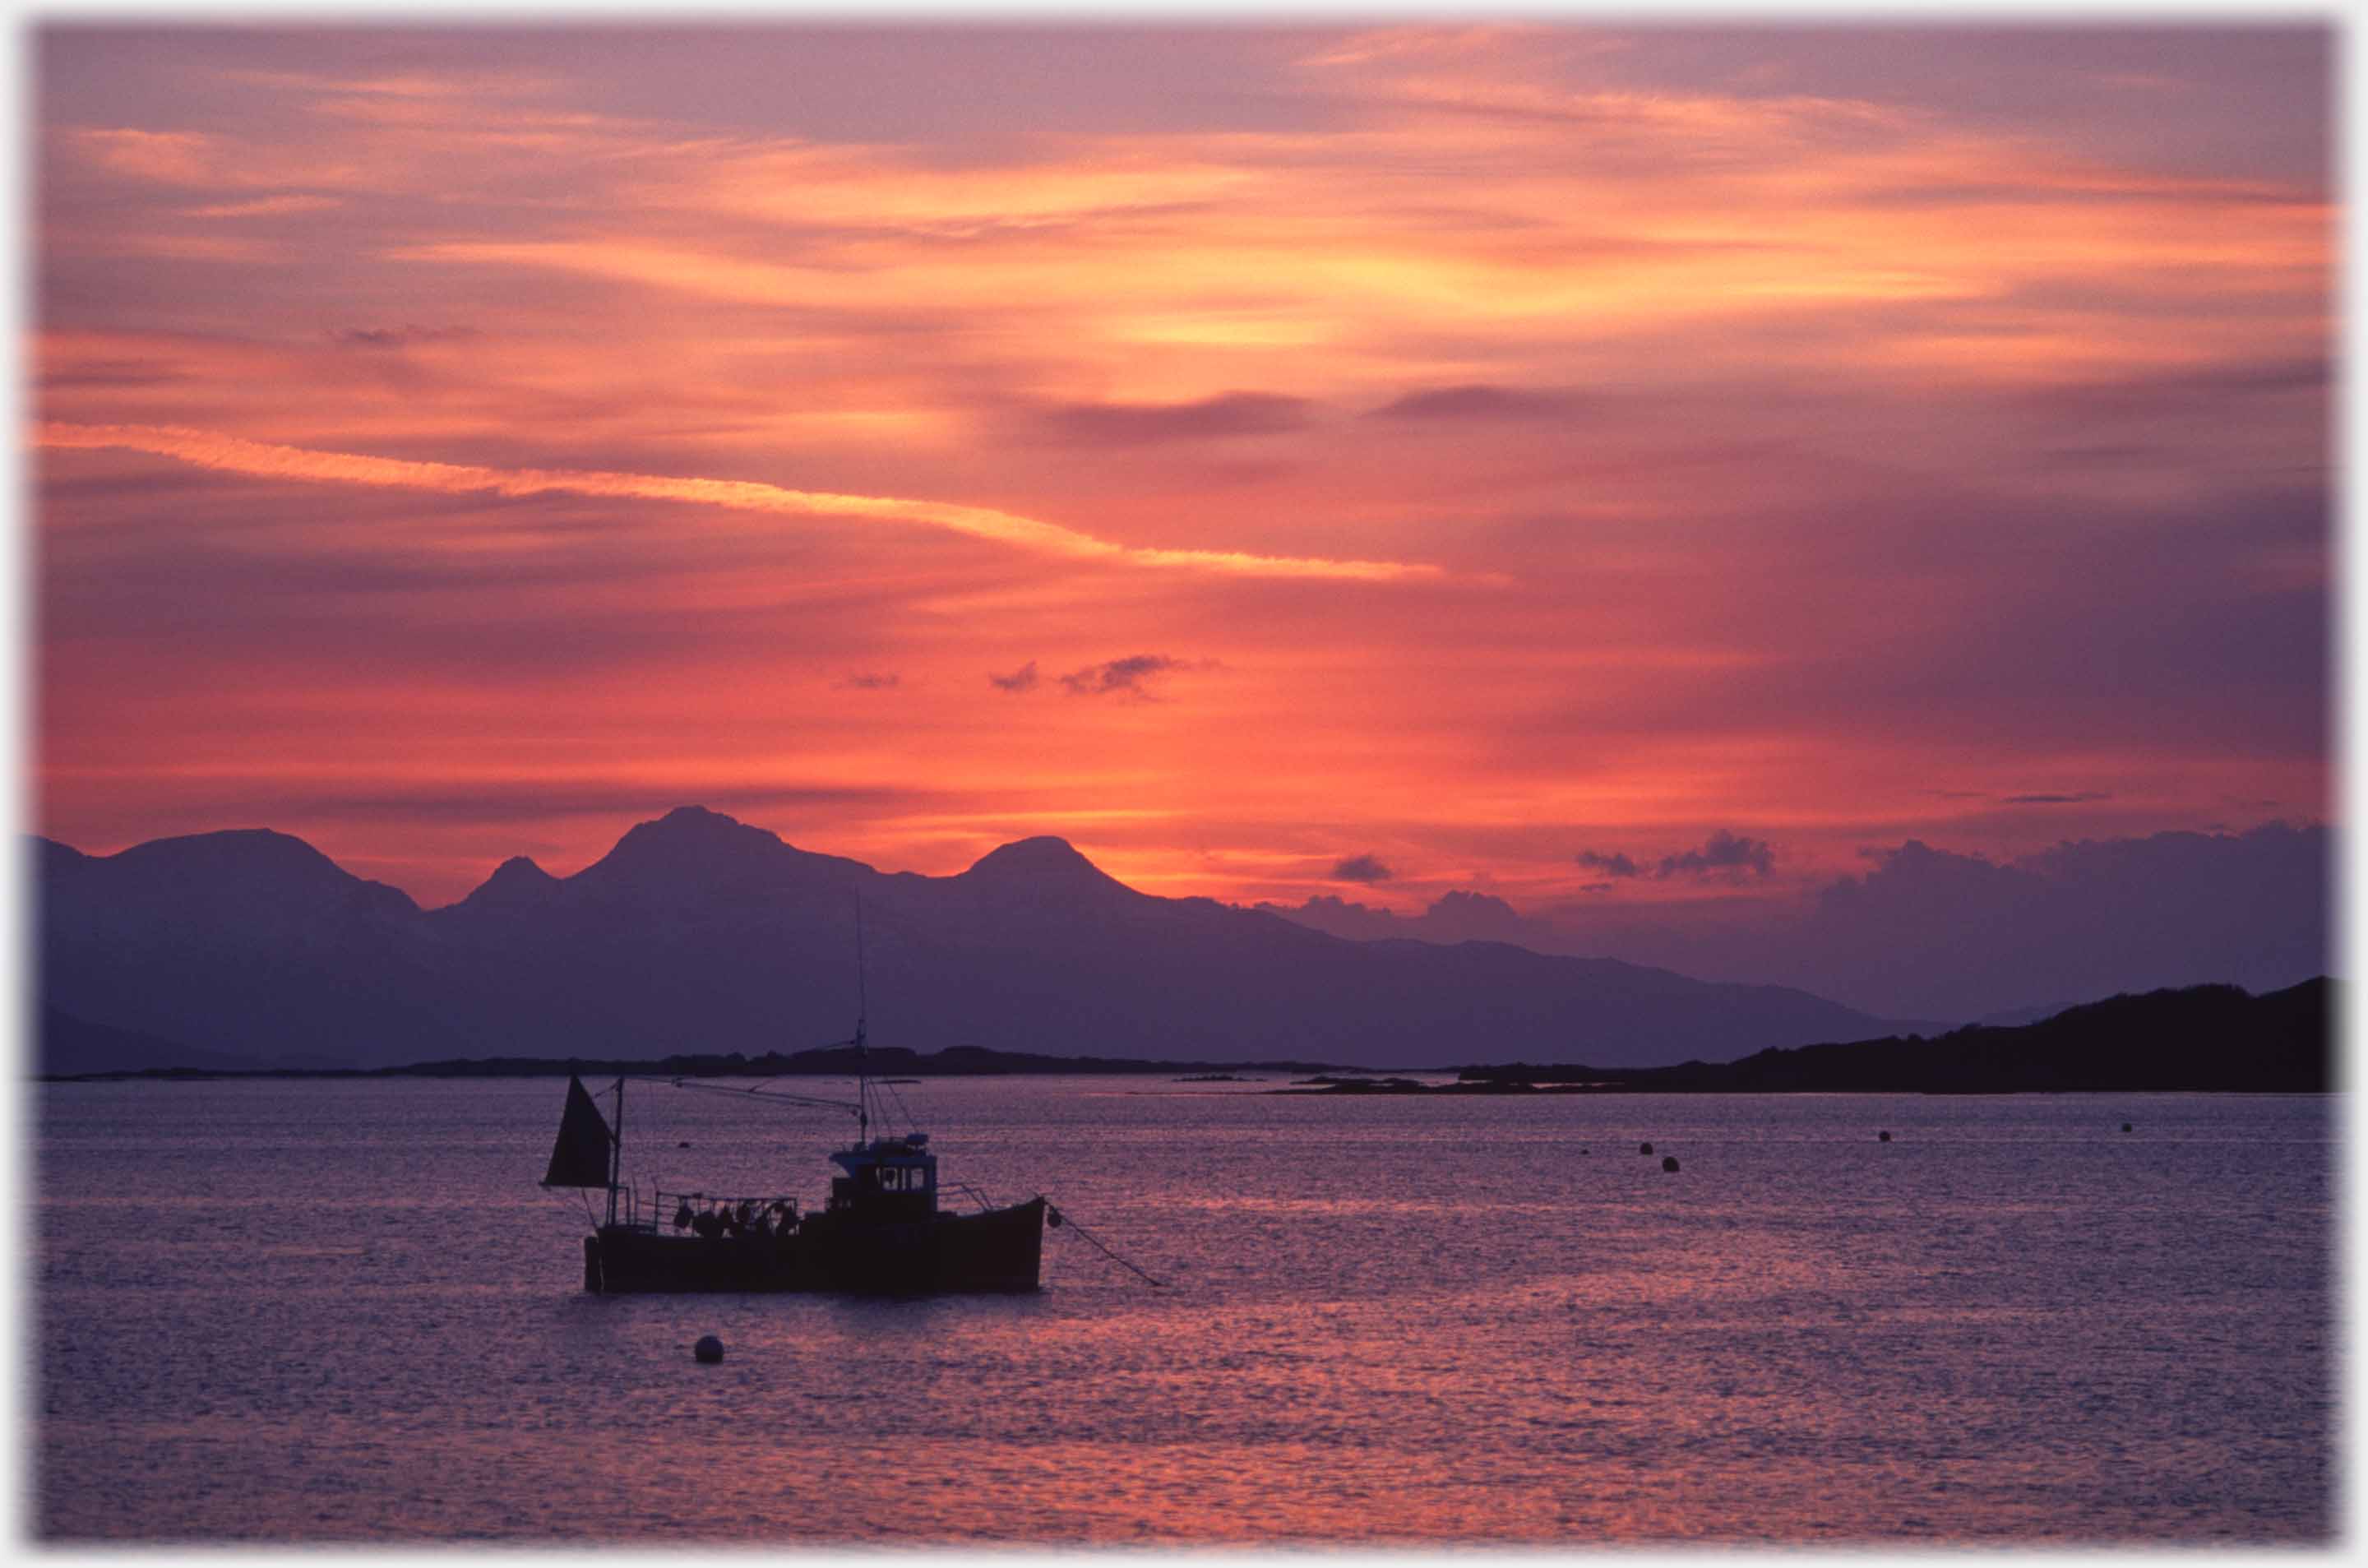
580	1158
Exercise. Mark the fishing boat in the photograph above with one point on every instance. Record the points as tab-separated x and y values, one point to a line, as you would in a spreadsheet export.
881	1229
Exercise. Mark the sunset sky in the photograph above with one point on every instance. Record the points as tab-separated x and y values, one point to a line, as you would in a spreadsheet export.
1573	464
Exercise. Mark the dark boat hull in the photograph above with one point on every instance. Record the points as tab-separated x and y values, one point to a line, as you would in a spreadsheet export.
1001	1249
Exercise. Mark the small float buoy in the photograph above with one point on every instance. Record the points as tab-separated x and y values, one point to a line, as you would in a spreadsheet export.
1882	1137
1643	1148
1668	1161
2125	1127
709	1350
1052	1216
685	1144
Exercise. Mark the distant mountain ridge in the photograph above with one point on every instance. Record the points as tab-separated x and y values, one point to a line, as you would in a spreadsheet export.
67	1044
1923	932
699	932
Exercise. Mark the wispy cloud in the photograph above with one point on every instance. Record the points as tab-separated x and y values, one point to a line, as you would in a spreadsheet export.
1125	677
238	455
266	207
401	336
1361	868
1474	402
1230	413
200	160
1724	853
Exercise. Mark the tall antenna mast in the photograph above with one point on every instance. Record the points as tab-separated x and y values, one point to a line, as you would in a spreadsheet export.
862	1012
862	994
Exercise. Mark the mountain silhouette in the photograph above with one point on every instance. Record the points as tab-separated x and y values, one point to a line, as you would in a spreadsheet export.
517	884
68	1045
699	932
1040	862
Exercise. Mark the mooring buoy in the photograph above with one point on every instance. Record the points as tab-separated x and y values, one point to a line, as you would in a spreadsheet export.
1882	1137
1668	1161
1643	1148
710	1350
2125	1127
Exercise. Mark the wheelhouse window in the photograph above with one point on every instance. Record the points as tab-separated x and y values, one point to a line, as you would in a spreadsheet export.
898	1179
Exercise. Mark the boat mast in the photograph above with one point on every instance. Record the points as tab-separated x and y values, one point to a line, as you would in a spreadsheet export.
616	1151
862	1010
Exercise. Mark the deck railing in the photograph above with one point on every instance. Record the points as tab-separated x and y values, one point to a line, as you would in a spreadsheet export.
967	1190
664	1206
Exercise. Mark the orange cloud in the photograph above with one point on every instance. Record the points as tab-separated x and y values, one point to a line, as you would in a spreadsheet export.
266	207
196	159
238	455
171	157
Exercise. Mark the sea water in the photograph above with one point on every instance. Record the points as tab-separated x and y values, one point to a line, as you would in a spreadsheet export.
332	1311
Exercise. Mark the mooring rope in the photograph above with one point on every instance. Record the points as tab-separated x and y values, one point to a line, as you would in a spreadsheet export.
1060	1219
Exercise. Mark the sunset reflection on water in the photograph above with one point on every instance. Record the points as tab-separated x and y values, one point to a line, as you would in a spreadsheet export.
1385	1321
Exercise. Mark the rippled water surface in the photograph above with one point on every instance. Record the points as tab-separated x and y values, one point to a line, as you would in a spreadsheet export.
341	1311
